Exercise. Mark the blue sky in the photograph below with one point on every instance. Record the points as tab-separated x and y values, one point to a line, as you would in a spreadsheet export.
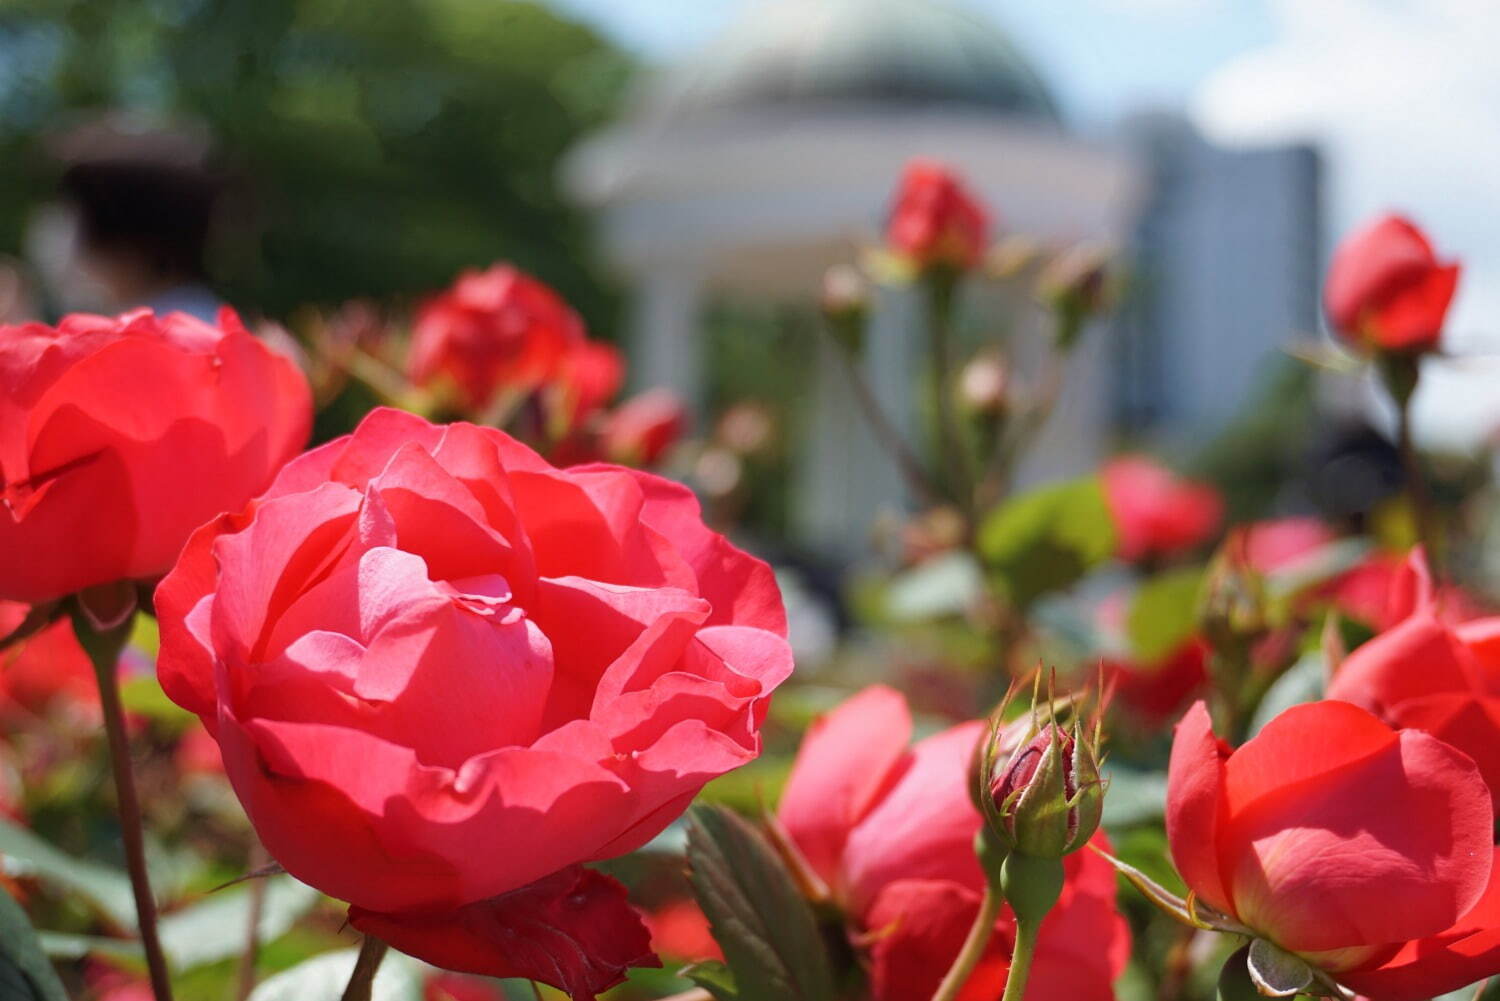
1102	57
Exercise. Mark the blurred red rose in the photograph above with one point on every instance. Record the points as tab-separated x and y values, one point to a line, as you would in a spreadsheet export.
1155	512
44	671
1152	692
425	641
639	431
1427	673
591	375
457	987
1386	288
680	929
1365	851
891	830
936	221
1383	589
492	330
120	436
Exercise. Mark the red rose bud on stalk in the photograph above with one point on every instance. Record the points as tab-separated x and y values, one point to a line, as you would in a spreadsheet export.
936	222
1046	795
492	331
1355	858
444	674
1078	286
1386	290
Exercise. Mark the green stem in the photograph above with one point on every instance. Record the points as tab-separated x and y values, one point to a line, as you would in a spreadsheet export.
953	462
104	650
1020	960
974	945
1424	512
362	980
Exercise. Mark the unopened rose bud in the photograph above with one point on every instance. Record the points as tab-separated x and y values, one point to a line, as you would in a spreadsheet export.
1077	284
983	386
846	304
1047	794
1233	609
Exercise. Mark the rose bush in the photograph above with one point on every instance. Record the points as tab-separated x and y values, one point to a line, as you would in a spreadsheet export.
444	673
119	436
890	829
1365	851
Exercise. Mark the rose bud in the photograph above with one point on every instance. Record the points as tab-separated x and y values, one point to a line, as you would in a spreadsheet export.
983	386
641	430
890	829
1077	285
845	303
1347	852
492	330
119	436
444	674
1387	291
936	223
1047	795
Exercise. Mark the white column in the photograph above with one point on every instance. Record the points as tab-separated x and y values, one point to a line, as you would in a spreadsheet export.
848	479
666	347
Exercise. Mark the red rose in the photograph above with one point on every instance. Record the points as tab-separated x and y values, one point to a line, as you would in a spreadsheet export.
936	221
44	671
641	429
591	375
1387	290
891	830
492	330
1365	851
1427	673
120	436
1156	513
443	673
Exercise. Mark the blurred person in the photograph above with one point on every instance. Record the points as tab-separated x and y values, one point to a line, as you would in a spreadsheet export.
132	222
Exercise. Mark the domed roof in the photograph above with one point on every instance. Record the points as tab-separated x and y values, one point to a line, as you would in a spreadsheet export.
893	51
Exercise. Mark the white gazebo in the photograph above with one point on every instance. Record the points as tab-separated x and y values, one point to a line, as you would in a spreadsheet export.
750	168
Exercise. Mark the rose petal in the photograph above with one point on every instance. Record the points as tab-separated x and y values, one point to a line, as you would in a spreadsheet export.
573	930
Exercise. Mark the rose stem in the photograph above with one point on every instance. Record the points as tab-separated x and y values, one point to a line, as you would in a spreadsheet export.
371	952
103	648
974	946
258	860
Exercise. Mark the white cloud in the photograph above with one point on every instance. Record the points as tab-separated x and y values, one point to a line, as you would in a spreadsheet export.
1404	98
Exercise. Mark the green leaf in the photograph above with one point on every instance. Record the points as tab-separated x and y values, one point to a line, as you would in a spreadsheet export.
1134	797
215	927
1047	539
143	696
1302	682
768	932
1163	614
323	978
25	972
24	854
944	585
714	977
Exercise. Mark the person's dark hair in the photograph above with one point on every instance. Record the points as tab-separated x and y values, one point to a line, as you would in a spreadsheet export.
159	212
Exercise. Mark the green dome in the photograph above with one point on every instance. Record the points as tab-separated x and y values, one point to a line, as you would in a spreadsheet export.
914	52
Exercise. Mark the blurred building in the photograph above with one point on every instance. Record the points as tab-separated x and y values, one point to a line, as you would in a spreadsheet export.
1225	262
747	170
